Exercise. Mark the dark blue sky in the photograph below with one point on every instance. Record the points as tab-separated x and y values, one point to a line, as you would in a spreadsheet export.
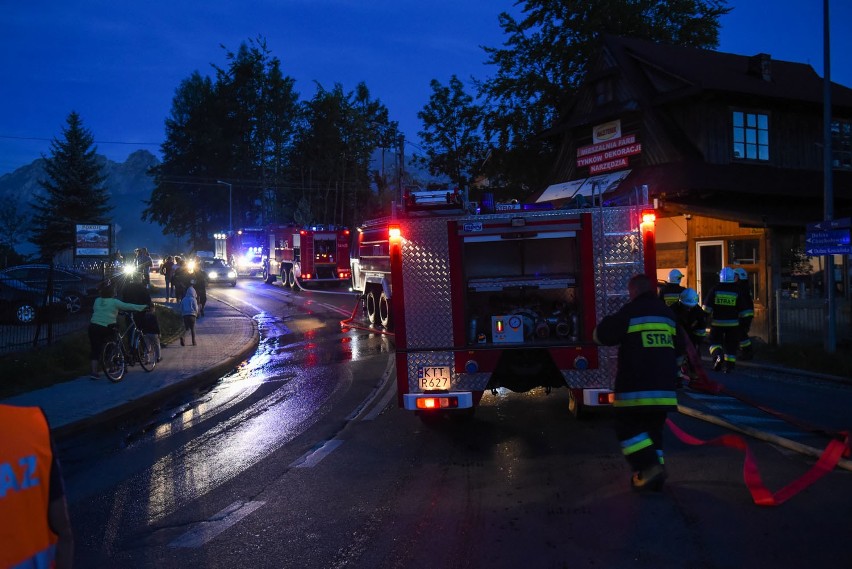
118	63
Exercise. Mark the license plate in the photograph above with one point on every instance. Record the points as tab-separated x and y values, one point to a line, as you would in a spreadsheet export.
431	378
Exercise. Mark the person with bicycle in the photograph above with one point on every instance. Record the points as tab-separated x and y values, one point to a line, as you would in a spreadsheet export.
105	314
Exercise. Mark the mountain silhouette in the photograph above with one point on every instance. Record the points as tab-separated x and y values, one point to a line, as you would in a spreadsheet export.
129	185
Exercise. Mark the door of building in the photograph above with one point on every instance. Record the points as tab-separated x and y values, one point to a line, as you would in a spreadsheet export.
710	256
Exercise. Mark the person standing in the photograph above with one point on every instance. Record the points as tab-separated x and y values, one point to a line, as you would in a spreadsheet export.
179	278
644	330
105	314
189	312
143	265
150	327
741	278
35	529
167	270
729	312
201	280
670	291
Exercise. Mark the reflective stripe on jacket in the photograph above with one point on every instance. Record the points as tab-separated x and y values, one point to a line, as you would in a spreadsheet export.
26	540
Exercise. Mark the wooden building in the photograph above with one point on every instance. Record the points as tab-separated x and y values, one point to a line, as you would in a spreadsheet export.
730	147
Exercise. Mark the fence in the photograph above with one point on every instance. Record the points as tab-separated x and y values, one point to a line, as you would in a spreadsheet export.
804	321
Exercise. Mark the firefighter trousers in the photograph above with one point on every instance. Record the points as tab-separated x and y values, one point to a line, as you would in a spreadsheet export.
640	432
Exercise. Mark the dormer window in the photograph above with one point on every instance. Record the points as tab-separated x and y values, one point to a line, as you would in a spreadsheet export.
751	136
841	144
603	91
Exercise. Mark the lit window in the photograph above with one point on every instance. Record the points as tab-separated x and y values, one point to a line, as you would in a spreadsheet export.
841	144
751	136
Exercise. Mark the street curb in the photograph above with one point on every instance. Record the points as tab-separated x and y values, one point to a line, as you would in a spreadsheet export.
161	395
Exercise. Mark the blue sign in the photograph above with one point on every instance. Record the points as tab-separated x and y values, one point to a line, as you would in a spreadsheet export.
828	240
844	223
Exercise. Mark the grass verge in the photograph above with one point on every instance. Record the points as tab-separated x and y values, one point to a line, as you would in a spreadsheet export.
67	359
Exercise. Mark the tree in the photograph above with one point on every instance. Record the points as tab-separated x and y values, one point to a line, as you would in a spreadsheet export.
237	129
74	190
451	134
332	153
544	60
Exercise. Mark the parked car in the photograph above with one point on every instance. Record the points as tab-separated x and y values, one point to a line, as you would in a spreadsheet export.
77	289
20	304
218	271
156	262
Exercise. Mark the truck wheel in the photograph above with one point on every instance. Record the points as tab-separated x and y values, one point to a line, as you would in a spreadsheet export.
268	278
372	308
575	405
291	278
385	315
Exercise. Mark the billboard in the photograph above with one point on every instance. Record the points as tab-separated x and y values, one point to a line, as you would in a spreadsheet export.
92	240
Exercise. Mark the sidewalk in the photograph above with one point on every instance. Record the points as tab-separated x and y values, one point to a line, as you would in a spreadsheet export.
225	338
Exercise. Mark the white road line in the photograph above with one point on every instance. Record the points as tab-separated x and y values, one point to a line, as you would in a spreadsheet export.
202	532
382	404
314	456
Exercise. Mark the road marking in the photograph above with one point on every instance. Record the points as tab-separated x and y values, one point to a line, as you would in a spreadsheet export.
202	532
315	455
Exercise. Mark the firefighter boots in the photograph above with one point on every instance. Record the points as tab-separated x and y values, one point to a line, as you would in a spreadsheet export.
718	358
650	479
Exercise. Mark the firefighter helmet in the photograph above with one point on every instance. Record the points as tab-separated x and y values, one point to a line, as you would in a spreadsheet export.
689	297
726	275
741	273
675	275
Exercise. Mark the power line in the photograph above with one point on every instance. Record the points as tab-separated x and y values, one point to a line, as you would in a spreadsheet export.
10	137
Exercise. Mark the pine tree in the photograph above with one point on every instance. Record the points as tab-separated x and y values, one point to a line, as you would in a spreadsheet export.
74	190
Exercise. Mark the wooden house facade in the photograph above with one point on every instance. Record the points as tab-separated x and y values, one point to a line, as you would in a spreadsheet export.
730	147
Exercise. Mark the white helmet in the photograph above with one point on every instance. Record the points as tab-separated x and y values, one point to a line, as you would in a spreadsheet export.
674	276
689	297
741	273
726	275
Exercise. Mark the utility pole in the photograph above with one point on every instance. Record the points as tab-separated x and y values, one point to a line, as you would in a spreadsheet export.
828	193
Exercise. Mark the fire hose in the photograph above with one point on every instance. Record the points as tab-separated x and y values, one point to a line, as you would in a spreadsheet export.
832	456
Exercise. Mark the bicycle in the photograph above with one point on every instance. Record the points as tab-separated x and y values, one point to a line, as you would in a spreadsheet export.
126	348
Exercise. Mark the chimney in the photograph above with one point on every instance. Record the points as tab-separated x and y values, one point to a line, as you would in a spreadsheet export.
760	66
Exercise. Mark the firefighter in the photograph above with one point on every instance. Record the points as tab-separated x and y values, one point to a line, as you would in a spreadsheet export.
692	320
35	530
741	278
648	346
670	291
729	312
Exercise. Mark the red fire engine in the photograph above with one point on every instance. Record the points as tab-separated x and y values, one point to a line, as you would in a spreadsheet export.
500	300
242	249
301	254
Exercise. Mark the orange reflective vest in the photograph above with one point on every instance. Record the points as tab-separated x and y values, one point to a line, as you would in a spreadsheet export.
26	539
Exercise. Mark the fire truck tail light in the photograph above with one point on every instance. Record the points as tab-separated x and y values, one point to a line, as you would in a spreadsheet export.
606	398
649	216
394	233
306	275
437	403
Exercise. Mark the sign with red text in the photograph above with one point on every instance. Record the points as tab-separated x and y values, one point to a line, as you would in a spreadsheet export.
609	155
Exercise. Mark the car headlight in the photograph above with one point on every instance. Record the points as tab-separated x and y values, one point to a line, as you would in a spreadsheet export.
232	275
213	274
129	269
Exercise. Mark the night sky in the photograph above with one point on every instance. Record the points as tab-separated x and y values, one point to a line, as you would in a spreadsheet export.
118	63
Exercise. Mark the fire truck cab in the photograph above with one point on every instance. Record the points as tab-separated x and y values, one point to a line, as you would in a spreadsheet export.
302	254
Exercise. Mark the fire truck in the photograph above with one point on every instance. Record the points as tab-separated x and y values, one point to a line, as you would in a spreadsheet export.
507	299
242	249
306	254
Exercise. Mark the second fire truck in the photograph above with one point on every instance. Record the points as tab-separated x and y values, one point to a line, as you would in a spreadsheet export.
507	299
306	254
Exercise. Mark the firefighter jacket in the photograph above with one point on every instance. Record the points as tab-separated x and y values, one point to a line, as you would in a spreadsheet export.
26	539
645	332
670	293
692	319
728	306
